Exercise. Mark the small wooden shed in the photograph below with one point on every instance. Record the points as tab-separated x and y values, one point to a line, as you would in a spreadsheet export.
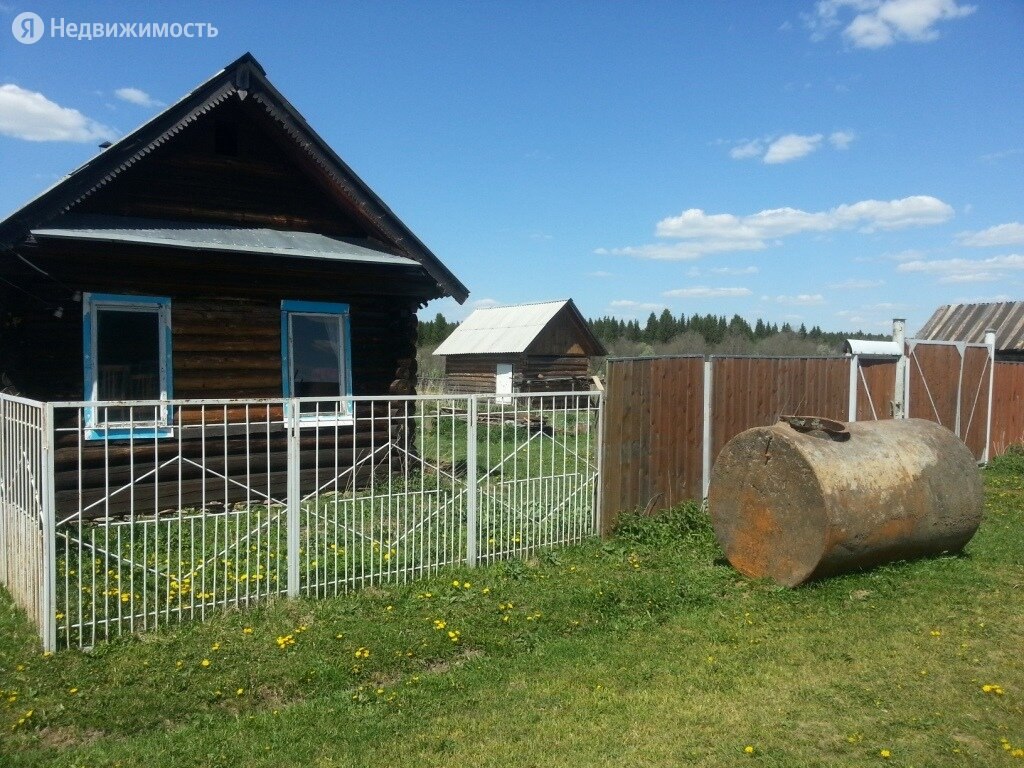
543	347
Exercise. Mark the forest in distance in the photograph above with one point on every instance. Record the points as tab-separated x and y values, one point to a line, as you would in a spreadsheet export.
668	334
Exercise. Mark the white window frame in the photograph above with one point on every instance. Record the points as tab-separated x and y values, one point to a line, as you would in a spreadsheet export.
97	428
292	308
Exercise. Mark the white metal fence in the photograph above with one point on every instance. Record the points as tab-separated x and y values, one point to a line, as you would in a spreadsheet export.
23	490
167	511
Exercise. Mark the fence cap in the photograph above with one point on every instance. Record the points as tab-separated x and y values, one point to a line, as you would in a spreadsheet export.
866	348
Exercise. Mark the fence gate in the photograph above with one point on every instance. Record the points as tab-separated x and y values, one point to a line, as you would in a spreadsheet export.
872	388
950	382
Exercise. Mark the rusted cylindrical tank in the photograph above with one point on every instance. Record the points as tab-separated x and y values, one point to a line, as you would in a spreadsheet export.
809	497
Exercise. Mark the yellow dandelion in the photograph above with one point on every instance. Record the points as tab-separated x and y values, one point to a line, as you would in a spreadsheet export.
247	630
885	754
204	663
239	692
749	749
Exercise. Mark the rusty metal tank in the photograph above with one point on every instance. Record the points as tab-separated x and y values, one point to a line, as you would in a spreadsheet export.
810	497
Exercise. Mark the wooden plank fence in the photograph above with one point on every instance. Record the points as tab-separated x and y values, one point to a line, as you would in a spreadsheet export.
666	419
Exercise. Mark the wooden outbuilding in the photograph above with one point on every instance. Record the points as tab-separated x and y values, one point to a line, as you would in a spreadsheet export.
543	347
221	250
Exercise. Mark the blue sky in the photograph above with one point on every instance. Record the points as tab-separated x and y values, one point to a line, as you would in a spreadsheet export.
836	163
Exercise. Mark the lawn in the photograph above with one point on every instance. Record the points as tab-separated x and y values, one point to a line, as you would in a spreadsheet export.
645	649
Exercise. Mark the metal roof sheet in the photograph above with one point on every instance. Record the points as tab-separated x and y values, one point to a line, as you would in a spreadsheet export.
968	322
216	237
500	329
870	348
243	78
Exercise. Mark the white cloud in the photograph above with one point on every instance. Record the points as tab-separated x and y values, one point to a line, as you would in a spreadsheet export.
137	96
31	116
999	235
600	273
774	150
967	270
791	147
841	139
485	303
801	300
747	149
972	277
879	23
735	270
994	156
702	233
636	305
856	285
703	292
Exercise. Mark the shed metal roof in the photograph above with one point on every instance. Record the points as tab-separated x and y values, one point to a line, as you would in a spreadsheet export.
498	330
968	322
216	237
873	348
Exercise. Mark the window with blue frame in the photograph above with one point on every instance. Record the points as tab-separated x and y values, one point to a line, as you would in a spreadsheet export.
127	354
316	358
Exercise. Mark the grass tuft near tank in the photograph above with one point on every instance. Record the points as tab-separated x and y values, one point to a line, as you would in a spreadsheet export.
807	497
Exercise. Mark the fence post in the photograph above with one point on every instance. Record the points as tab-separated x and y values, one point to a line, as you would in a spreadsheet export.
48	596
990	342
854	370
706	453
471	523
598	495
293	497
899	400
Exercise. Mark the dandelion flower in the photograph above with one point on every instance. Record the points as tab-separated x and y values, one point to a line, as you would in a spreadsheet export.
204	663
748	749
247	631
885	754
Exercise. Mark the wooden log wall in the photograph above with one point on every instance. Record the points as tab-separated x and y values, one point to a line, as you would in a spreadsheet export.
226	338
475	374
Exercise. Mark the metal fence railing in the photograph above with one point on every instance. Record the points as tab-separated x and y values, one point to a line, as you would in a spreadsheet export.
167	511
23	501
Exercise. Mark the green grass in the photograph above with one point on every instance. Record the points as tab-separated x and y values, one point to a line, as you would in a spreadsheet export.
642	650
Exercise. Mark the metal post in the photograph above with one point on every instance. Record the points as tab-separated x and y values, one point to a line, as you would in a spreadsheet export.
899	400
48	597
990	342
598	496
471	525
706	458
293	500
961	347
852	403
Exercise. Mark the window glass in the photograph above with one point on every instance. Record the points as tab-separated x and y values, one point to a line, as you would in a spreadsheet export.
316	357
127	357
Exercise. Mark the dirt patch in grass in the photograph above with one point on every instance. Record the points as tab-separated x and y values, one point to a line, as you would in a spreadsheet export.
67	736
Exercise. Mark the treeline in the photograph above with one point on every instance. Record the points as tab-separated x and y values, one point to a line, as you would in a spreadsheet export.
659	330
714	329
433	332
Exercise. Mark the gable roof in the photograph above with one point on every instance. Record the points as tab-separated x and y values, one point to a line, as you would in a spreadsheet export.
512	329
243	78
968	322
